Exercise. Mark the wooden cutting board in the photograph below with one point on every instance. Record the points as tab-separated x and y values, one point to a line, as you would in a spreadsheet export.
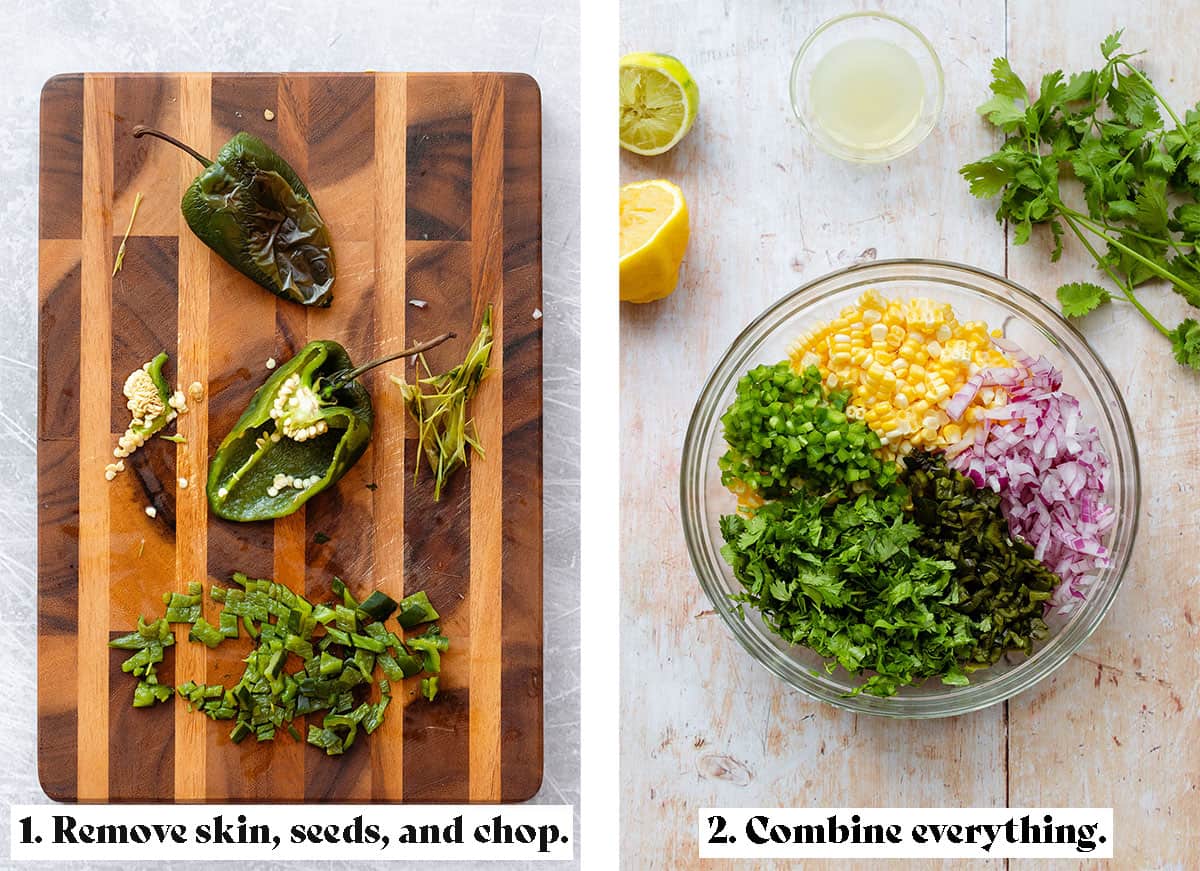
431	186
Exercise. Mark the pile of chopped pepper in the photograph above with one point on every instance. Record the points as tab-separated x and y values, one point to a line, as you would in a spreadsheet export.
339	645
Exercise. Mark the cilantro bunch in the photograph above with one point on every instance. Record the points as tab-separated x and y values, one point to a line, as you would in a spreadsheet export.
1106	128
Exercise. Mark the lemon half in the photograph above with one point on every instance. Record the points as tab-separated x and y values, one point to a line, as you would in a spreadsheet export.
659	101
654	235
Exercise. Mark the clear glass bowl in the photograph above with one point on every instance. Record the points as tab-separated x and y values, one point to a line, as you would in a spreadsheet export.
875	26
975	295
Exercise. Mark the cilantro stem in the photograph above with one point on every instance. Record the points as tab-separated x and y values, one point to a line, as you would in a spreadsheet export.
1153	240
1069	213
1125	288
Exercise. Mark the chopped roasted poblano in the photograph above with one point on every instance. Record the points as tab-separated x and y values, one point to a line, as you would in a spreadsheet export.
205	633
339	645
432	643
378	606
415	610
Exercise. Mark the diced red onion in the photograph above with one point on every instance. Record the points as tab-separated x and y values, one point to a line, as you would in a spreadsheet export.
1050	472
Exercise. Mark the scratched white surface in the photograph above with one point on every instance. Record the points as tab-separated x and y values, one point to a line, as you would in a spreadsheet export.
703	725
43	37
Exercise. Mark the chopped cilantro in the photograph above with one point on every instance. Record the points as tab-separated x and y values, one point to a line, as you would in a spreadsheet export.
915	580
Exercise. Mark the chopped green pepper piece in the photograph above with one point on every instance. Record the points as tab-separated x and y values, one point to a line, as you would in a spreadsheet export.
228	624
337	636
299	646
365	643
146	633
429	687
378	606
415	610
432	643
340	589
206	633
183	607
330	665
146	694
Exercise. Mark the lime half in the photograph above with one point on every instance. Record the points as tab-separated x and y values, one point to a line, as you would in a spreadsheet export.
659	101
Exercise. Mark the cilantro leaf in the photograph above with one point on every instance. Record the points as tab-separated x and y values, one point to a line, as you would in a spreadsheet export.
1005	82
1079	86
1002	111
1050	95
1185	343
1134	100
1187	219
989	176
1111	43
1151	211
1081	297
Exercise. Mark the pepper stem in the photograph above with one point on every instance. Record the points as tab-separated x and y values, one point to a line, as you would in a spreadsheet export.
341	379
142	130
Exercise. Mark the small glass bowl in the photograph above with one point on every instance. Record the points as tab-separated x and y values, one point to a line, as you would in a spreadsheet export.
867	25
975	295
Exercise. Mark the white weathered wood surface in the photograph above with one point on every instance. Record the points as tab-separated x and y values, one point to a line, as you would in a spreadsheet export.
703	725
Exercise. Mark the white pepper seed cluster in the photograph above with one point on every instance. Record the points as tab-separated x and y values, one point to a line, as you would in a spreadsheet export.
283	482
144	404
297	410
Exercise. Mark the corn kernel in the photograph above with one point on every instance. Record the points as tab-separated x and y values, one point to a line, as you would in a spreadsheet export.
900	360
951	433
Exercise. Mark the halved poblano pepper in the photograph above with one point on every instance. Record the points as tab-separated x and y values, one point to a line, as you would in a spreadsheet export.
250	207
306	426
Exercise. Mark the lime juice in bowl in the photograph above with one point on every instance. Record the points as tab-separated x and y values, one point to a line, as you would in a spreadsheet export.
867	87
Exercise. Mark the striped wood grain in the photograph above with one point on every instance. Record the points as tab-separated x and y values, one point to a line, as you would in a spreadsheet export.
430	184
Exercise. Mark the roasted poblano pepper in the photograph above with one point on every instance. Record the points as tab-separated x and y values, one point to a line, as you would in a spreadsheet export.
306	426
250	207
